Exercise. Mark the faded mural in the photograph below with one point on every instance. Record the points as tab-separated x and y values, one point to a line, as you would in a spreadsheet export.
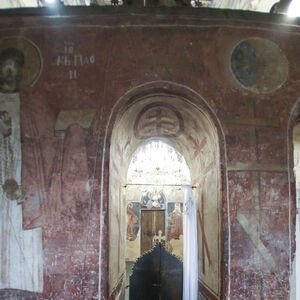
21	254
45	177
133	220
203	87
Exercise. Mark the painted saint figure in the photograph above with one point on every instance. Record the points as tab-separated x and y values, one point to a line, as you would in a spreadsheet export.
175	229
11	63
20	251
133	221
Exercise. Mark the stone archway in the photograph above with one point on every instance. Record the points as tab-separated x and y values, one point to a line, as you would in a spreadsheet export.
191	131
293	154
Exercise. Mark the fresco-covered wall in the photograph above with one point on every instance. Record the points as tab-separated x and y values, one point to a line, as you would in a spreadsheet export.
243	66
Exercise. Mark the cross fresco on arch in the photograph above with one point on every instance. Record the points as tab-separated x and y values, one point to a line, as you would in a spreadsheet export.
197	146
158	119
204	245
205	248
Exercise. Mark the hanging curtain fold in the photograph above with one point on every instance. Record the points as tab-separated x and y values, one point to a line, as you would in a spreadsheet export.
190	246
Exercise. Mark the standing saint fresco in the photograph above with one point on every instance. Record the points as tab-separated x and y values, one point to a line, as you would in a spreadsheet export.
175	225
133	221
21	250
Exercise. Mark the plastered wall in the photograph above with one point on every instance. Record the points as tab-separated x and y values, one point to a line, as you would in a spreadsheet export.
94	65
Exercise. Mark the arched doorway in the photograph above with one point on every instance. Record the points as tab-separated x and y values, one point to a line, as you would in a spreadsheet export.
293	159
154	205
295	272
191	131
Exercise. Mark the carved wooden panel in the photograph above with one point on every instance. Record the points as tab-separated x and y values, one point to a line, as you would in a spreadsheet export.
152	222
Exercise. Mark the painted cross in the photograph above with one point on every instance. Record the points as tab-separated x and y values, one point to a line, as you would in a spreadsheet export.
253	229
198	147
202	179
159	237
157	119
204	241
259	245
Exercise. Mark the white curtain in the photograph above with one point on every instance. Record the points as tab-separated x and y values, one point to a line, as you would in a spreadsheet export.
190	247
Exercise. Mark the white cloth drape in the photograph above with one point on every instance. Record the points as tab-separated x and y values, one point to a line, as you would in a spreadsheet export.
190	247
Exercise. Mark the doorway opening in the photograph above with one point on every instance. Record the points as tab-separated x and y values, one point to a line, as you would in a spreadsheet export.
167	122
154	201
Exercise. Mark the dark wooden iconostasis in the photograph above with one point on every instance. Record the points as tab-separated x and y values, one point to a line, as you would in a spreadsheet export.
157	275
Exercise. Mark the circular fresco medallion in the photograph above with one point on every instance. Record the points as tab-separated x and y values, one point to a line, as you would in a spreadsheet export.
32	58
259	65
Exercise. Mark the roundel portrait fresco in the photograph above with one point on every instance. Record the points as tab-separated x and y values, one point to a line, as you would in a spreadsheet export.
20	62
259	65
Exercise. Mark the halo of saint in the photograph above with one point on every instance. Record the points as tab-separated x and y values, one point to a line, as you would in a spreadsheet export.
32	64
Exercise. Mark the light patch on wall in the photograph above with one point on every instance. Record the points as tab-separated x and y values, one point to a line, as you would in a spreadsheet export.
294	9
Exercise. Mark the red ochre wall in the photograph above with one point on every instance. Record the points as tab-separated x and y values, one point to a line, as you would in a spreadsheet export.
121	51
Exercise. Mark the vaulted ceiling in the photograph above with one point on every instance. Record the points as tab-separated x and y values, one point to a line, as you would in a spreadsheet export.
253	5
290	7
